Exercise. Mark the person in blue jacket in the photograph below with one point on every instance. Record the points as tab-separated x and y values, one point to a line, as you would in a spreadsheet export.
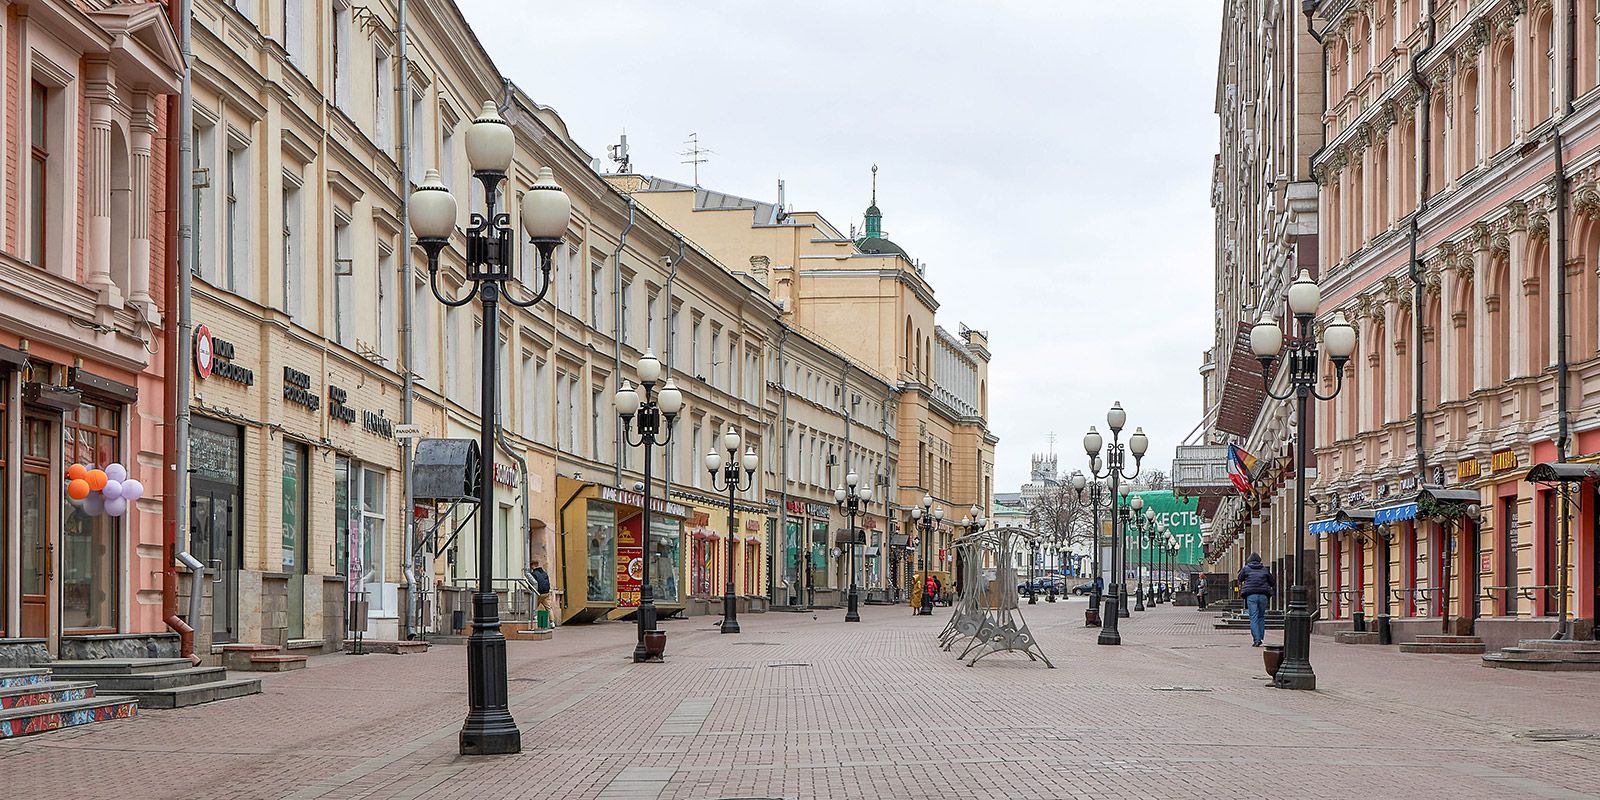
1256	586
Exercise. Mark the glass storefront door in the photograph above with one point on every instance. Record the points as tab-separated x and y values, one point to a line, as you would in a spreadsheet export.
38	502
293	544
90	543
666	559
216	510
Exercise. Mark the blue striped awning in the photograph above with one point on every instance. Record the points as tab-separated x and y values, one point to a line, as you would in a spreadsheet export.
1323	526
1396	513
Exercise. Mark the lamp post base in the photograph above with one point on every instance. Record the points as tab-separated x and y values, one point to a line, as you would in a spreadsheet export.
852	611
1109	635
1138	600
1295	672
730	614
494	741
489	729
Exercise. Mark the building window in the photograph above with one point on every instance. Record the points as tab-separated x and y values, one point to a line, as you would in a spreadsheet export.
594	294
90	543
541	394
421	356
341	54
386	315
38	175
626	309
374	501
236	275
291	248
382	101
694	348
292	31
695	448
343	291
526	393
716	346
652	312
596	403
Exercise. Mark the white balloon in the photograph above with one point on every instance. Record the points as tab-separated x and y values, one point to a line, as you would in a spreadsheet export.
94	505
132	489
116	472
112	490
116	507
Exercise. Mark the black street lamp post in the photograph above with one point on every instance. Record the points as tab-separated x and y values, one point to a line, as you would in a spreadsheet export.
1169	588
1141	534
731	484
1091	615
923	516
850	498
489	728
1267	340
649	411
1137	444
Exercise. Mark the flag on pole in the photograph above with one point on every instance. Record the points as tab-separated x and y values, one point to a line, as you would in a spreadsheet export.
1240	465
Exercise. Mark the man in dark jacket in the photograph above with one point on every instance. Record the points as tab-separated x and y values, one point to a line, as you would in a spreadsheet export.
1256	586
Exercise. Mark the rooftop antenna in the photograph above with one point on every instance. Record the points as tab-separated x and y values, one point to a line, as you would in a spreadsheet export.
780	211
619	155
1051	438
874	184
696	155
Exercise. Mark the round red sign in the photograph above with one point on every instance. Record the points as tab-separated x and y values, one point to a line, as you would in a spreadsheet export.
202	351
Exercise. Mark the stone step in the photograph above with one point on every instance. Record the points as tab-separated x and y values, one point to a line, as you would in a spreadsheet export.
26	720
195	694
393	647
1244	625
276	662
1355	637
34	694
1559	644
1443	647
153	681
1504	661
114	666
1440	638
1576	656
534	635
23	676
305	644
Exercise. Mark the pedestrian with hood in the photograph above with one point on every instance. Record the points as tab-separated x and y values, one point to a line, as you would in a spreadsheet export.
1256	585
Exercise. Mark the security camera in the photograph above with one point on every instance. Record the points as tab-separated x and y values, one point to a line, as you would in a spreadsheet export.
638	486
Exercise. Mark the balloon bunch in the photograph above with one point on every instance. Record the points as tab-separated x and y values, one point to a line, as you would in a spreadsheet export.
106	491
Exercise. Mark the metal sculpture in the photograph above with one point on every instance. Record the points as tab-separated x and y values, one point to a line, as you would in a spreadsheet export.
987	617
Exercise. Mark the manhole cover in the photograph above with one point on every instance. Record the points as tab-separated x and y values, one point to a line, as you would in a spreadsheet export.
1557	736
795	664
1178	689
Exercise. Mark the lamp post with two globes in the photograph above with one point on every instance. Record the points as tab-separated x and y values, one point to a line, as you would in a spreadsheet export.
1267	341
731	483
489	728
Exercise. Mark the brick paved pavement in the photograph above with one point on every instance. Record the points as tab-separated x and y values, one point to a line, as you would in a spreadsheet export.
803	708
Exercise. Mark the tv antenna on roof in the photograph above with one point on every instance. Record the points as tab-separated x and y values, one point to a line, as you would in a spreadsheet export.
696	155
619	154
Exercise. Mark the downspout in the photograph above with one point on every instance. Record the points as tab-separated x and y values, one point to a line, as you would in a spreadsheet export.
844	403
404	284
1563	376
666	319
179	328
616	341
783	471
1423	143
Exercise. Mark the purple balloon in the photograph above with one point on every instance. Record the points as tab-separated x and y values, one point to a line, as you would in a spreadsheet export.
112	490
94	505
116	507
116	472
132	489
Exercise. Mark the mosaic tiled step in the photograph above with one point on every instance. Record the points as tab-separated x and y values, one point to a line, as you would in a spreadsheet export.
31	719
38	694
22	677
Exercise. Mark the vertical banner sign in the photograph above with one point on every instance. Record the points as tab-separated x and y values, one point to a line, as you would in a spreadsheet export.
354	571
1183	521
630	561
291	511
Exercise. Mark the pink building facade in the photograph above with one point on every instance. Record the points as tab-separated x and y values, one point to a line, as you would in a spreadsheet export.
84	259
1460	206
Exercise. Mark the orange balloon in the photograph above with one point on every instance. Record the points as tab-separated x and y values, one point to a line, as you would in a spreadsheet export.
78	489
76	471
96	478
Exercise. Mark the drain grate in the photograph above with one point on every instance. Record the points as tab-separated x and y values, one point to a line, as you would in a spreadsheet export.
1557	736
790	664
1178	689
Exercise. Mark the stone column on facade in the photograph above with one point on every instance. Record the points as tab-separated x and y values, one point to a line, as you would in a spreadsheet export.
1550	298
1393	348
1392	184
1452	321
101	93
1519	359
143	130
1480	302
1345	205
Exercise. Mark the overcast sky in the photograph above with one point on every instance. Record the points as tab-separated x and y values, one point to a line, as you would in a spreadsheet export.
1048	159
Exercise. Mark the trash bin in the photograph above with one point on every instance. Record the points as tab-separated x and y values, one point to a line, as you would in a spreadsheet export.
544	619
1358	620
458	620
1384	635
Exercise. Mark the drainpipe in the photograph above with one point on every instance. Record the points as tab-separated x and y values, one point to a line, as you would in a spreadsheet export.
783	471
1413	266
1563	376
404	284
672	278
616	343
179	329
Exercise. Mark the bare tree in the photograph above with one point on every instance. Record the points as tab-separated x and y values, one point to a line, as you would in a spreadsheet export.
1157	479
1062	518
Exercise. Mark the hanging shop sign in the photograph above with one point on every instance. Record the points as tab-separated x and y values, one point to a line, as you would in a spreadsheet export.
213	357
1504	460
1468	468
337	408
505	474
297	389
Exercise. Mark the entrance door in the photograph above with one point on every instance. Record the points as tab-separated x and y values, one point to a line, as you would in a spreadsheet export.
293	544
39	506
213	519
1472	587
1385	546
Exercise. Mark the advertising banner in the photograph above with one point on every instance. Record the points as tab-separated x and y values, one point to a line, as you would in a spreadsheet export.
630	562
1182	518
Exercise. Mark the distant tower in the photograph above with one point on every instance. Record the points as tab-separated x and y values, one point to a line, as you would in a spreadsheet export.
874	216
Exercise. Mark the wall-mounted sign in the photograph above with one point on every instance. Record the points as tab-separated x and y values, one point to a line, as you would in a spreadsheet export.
337	398
376	422
1504	460
1468	468
699	519
1408	483
612	494
752	525
505	474
214	357
297	389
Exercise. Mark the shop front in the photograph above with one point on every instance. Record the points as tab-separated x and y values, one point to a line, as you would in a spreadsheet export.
823	565
709	561
604	546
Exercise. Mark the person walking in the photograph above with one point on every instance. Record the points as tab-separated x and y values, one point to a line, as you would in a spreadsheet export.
1256	585
546	604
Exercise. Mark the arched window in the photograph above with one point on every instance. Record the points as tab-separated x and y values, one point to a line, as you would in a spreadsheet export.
910	343
1380	189
1501	121
1497	314
1583	313
1430	349
1467	113
1536	308
1407	178
1462	323
1541	70
1438	165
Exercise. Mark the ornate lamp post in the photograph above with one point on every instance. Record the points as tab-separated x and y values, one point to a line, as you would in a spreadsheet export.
731	484
1091	615
1142	518
1170	586
850	498
1267	340
546	209
923	516
649	411
1137	444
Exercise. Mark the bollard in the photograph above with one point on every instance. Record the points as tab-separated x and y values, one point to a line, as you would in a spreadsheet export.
1385	636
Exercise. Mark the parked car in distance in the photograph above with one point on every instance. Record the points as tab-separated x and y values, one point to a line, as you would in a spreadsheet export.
1084	588
1043	585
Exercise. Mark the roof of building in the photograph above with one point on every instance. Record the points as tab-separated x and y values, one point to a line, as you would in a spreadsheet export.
877	245
707	200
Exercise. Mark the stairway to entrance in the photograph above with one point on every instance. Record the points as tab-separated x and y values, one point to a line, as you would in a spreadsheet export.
1548	655
158	682
33	701
1442	643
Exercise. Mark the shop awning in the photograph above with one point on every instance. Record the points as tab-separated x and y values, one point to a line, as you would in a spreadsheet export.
1394	513
1357	517
1331	525
1552	472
